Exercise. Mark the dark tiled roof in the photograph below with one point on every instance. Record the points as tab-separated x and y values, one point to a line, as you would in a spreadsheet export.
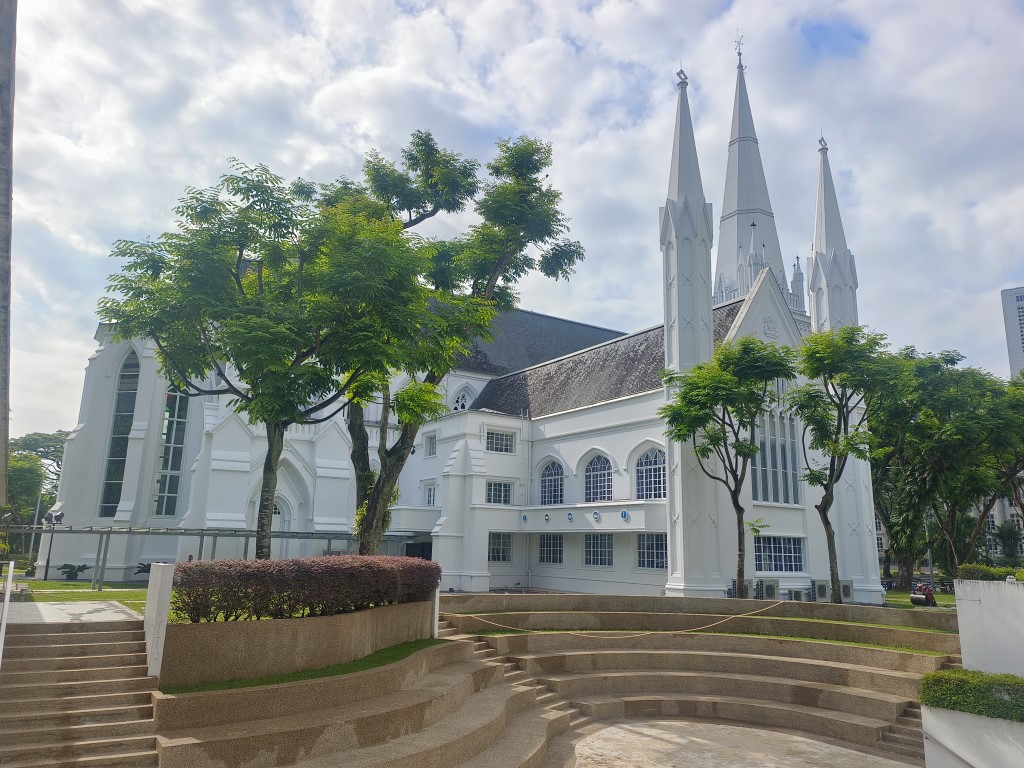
625	366
522	339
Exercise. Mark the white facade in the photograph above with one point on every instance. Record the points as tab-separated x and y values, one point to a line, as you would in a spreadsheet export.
1013	319
551	471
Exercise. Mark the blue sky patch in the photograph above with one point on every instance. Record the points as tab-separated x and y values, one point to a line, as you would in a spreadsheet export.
828	38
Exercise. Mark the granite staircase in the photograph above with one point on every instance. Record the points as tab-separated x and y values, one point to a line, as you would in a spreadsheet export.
76	694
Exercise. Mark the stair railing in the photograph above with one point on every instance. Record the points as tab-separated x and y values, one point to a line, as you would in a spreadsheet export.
6	607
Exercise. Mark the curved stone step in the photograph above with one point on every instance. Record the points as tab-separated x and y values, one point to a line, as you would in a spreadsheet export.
41	677
43	663
63	650
59	690
25	751
41	734
65	705
97	714
524	744
146	758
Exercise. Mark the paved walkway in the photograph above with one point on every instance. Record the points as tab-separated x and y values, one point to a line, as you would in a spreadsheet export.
675	744
81	611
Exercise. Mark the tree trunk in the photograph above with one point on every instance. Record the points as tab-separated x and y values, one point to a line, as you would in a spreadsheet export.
833	560
360	453
887	564
741	548
268	491
906	573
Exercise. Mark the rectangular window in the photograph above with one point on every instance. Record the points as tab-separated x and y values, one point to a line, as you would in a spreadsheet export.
430	496
501	442
597	549
778	554
430	444
774	469
551	548
499	547
652	550
499	493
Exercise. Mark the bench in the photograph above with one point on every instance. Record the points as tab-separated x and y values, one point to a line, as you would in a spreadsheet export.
18	590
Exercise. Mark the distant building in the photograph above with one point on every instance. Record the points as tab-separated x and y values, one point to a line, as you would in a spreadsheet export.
552	469
1013	318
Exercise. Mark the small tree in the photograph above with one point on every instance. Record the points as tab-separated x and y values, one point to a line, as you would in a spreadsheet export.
1008	536
715	406
846	369
49	447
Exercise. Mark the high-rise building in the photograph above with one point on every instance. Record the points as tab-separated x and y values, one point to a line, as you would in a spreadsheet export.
1013	318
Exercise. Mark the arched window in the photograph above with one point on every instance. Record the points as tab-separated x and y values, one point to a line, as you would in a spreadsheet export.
552	484
774	469
461	401
597	480
117	452
650	475
168	472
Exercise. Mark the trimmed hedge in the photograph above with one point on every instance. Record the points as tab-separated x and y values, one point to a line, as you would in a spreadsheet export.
977	572
977	693
241	590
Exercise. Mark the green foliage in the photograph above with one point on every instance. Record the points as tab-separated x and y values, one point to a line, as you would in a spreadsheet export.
71	571
49	447
977	693
1008	537
757	526
979	572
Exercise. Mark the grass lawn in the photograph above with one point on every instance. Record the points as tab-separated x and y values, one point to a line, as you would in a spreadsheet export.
131	598
900	599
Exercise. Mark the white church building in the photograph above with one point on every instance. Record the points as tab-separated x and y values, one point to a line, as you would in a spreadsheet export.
552	469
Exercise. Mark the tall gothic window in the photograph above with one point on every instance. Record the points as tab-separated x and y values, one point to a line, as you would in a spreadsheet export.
121	426
168	473
552	484
774	473
650	475
597	480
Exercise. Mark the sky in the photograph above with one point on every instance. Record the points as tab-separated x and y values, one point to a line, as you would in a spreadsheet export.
121	105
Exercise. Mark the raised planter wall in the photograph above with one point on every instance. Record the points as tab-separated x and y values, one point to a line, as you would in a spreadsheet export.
212	652
992	616
496	603
961	740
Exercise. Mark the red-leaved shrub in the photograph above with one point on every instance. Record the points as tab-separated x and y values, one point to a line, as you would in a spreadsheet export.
240	590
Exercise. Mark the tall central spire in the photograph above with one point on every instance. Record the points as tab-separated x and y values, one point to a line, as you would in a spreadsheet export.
746	200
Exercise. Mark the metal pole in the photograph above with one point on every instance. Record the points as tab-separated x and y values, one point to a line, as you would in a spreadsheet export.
96	563
202	539
103	562
49	551
213	548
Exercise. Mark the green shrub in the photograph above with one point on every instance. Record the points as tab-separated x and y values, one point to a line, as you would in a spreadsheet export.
71	571
977	693
1019	576
977	572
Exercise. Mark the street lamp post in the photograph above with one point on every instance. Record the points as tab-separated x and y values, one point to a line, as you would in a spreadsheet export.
52	520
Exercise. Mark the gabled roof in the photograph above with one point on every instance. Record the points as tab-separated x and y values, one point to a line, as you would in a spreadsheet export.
522	339
625	366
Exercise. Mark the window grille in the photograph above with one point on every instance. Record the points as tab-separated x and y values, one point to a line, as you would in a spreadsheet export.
499	547
778	554
430	496
499	493
597	480
652	550
597	549
552	484
774	469
501	442
430	444
551	549
169	462
121	426
650	475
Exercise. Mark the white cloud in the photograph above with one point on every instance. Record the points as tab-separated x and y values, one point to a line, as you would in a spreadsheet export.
121	105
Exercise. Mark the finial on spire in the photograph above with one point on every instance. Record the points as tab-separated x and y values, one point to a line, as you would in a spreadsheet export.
683	79
739	48
822	145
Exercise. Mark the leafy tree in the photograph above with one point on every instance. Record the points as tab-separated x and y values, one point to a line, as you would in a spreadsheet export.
716	404
293	300
25	479
1008	536
521	230
846	369
49	447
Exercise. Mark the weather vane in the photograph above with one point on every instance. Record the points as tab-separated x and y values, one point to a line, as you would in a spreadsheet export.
739	46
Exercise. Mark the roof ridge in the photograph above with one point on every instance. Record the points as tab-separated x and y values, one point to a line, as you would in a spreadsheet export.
566	320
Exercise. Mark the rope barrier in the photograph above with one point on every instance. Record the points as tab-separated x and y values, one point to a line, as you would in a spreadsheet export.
628	637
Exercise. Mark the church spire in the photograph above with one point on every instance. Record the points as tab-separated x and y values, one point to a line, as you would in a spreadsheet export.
684	174
746	194
832	271
828	225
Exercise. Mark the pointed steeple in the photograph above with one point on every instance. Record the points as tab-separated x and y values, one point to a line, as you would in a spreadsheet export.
686	238
829	237
746	195
832	270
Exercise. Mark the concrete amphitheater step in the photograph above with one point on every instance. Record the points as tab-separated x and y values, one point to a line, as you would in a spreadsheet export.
467	732
896	683
843	726
42	677
854	701
143	759
26	752
524	743
71	627
112	684
97	714
47	663
33	733
332	730
70	705
62	649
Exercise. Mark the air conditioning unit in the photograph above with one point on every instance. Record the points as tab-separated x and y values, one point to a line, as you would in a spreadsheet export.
769	589
822	590
846	590
749	584
796	594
